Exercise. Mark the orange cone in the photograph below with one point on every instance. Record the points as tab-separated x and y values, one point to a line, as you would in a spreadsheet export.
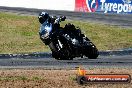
81	72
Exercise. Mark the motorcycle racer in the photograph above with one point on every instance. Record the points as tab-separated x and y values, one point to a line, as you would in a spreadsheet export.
65	42
48	25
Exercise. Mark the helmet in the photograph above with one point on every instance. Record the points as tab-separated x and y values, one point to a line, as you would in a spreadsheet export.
43	16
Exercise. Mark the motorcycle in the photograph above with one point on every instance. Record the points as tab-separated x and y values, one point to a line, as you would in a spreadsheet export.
68	42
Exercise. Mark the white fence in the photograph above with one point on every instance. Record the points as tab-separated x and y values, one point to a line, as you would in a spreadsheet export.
41	4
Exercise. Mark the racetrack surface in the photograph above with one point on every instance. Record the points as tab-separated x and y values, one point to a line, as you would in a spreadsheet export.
51	63
118	58
104	60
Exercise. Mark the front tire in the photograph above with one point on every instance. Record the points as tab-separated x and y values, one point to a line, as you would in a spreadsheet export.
55	55
65	55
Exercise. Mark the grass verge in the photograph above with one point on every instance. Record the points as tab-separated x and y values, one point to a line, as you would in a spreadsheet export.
19	34
18	78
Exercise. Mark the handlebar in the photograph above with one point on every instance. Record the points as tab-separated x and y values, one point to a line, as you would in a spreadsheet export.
58	19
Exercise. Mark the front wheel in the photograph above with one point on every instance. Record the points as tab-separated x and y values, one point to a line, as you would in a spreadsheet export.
65	55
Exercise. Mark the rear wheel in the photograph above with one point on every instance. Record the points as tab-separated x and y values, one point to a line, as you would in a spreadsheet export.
93	53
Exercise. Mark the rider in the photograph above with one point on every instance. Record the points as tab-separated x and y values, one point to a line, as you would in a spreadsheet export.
51	23
48	25
44	20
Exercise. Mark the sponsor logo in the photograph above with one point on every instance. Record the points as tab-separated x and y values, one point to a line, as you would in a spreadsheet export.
124	7
119	78
106	6
92	5
83	77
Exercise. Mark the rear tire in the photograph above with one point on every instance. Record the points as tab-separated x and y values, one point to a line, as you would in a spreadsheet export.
91	52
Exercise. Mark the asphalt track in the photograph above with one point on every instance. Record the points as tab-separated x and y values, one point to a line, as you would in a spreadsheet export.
118	59
50	63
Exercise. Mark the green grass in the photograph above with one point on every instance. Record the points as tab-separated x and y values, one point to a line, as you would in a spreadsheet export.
19	34
18	78
73	78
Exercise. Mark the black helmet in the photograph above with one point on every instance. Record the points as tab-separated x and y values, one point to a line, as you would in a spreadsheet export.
43	16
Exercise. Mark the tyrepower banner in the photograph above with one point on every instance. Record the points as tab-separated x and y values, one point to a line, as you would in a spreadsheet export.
105	6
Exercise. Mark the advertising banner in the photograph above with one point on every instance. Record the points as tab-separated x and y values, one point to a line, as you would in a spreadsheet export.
104	6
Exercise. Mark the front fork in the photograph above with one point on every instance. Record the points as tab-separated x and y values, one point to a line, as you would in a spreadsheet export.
56	45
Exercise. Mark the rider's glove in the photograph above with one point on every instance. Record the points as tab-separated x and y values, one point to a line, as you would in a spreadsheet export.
57	21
